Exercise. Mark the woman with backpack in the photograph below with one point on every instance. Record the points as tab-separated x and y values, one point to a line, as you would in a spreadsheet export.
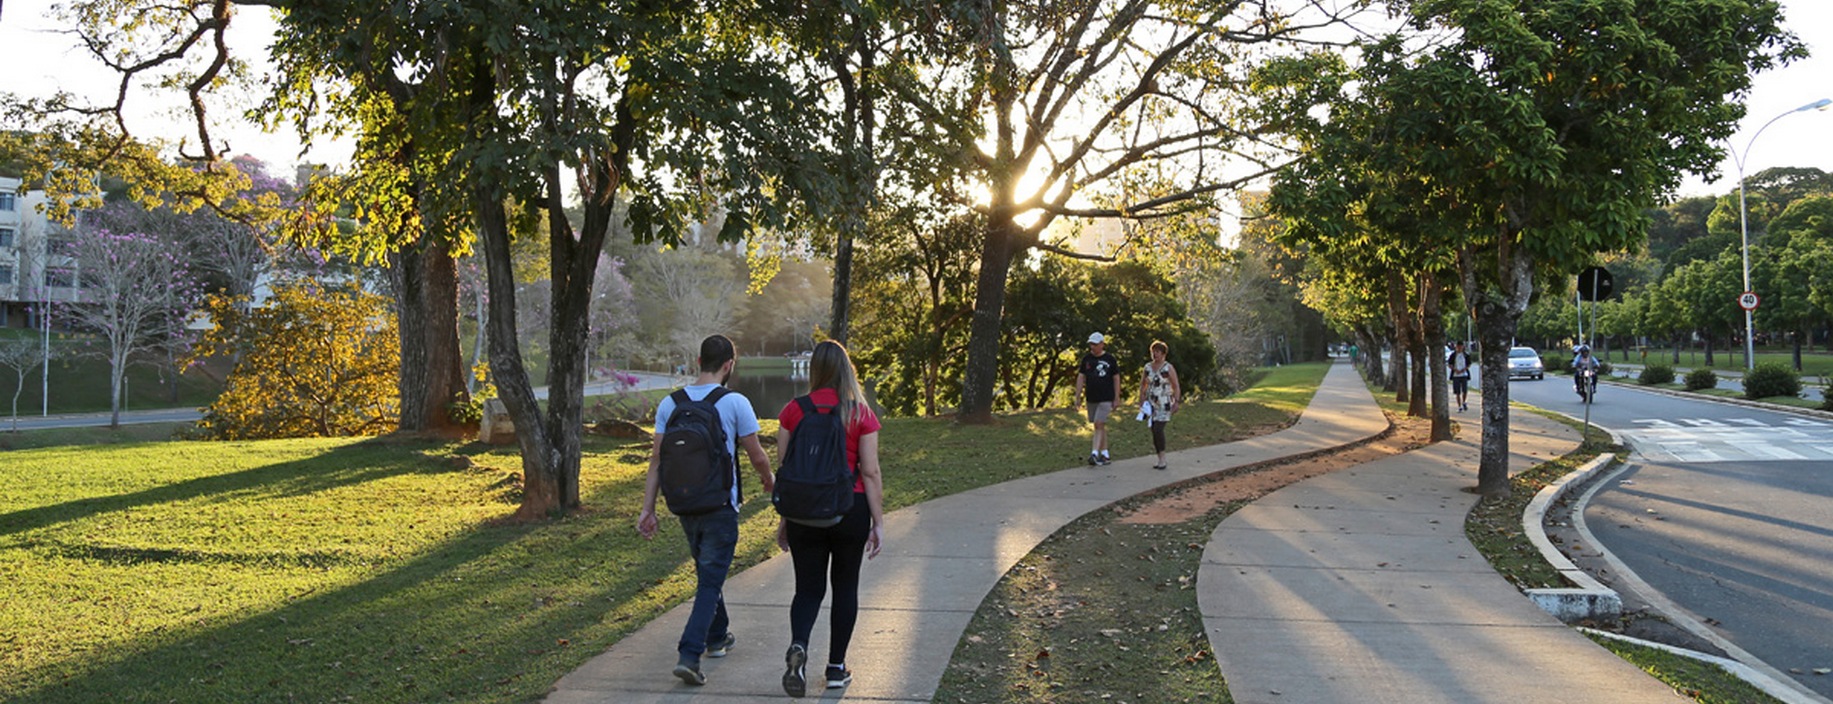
833	552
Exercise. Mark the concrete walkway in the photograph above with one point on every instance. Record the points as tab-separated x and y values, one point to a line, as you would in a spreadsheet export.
941	559
1359	586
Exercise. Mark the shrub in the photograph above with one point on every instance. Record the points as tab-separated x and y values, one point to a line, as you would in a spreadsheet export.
1772	380
1604	367
1826	399
317	360
1657	374
1701	379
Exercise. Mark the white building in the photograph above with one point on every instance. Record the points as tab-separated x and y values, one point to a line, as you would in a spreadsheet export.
29	277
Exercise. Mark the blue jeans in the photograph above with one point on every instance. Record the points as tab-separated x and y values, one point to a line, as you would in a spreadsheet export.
711	539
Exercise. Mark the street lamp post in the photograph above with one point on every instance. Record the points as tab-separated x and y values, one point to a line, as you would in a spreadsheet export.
1750	340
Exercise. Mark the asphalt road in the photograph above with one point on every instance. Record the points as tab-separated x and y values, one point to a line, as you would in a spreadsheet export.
1727	511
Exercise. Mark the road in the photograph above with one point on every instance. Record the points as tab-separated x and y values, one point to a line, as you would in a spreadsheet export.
1727	511
645	381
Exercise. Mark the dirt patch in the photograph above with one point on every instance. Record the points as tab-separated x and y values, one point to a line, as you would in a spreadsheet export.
1252	482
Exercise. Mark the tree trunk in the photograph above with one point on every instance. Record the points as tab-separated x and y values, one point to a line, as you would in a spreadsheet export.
1432	320
1370	353
982	369
1424	358
1799	335
1397	352
426	305
1498	300
541	465
1708	350
117	374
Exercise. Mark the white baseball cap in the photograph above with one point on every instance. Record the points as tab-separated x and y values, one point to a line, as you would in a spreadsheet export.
1096	339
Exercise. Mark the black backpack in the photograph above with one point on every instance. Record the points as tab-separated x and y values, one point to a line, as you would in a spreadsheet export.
814	485
697	470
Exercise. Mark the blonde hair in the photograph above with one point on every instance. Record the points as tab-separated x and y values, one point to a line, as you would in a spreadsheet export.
1160	346
830	368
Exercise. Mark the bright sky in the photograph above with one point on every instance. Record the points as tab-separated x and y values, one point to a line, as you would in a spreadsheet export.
39	58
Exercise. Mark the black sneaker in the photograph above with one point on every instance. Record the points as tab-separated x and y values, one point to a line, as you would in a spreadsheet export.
1103	460
795	678
1093	459
689	672
838	676
718	649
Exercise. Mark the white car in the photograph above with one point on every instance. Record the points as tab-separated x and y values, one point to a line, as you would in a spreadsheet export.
1524	363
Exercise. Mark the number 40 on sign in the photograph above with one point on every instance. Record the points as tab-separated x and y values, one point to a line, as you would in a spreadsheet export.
1748	300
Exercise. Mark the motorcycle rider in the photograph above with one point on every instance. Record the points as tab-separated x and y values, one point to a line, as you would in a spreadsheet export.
1580	363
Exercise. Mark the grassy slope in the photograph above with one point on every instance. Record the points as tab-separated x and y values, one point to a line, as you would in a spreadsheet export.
377	570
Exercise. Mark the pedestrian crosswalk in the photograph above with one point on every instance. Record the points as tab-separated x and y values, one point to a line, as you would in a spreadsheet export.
1697	440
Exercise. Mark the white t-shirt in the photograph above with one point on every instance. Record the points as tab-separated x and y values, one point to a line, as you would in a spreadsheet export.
735	413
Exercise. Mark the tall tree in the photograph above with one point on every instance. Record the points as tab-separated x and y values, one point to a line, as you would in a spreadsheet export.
134	292
1546	130
1068	104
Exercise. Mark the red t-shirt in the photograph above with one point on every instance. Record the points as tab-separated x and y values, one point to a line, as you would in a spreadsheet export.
867	423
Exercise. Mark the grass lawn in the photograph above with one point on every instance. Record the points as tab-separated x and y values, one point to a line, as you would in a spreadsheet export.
380	570
1814	363
80	385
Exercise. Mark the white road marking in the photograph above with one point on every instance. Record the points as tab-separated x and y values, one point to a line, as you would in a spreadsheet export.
1730	440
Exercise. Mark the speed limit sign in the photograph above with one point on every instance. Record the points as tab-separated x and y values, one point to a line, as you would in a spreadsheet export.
1748	300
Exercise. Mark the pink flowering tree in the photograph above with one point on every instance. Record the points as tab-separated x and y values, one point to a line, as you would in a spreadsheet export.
134	293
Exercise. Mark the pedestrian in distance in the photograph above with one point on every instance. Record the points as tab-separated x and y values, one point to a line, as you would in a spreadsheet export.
693	463
1098	383
828	551
1160	397
1459	364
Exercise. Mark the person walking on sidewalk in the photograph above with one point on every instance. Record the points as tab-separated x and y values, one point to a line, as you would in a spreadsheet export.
1098	382
824	554
1459	363
1160	396
712	536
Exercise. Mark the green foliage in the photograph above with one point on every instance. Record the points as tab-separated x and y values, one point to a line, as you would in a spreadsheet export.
1772	380
1656	373
315	361
1701	379
1050	310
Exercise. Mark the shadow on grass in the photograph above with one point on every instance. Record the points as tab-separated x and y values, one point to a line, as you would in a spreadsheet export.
495	614
359	462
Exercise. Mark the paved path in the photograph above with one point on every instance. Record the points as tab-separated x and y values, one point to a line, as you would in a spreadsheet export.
941	559
1359	586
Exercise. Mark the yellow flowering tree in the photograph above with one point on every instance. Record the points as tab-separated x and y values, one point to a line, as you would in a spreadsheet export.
317	360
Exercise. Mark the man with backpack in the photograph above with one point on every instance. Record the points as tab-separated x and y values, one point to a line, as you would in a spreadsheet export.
693	464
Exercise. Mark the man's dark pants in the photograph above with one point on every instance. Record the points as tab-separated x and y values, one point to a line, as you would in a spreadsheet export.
711	538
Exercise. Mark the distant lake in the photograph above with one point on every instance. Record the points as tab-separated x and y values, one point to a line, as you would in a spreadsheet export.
768	394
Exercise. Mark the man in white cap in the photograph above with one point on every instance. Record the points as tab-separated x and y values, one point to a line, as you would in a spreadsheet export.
1098	381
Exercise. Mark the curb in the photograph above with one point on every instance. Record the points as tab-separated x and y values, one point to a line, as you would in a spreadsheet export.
1748	667
1757	679
1589	599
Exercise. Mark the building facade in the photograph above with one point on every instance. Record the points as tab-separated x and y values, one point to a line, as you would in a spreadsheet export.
30	277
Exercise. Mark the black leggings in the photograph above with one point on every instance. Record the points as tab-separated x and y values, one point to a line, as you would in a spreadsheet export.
813	550
1158	435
